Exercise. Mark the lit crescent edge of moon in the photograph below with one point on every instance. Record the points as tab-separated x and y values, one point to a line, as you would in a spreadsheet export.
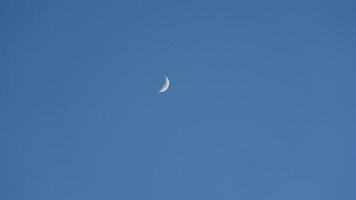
165	85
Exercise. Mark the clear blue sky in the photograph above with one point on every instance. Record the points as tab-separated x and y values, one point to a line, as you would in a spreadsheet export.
261	106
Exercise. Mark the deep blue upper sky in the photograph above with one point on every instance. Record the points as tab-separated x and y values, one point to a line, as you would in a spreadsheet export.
261	106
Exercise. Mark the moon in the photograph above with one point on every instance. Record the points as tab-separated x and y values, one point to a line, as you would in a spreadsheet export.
165	85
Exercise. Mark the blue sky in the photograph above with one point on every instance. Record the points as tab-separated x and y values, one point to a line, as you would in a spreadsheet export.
261	104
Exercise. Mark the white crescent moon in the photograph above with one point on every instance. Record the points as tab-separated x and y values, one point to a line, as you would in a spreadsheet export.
165	85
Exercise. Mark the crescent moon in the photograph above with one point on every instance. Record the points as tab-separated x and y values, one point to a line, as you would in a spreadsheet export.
165	85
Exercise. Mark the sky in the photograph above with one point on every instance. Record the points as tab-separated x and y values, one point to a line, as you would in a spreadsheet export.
261	103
